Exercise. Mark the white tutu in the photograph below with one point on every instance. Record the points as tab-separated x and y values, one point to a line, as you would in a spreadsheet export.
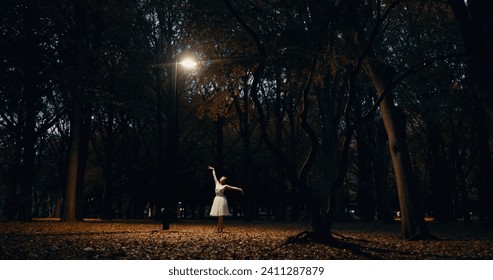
220	207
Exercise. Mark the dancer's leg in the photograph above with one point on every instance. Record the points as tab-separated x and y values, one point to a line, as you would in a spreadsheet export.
220	223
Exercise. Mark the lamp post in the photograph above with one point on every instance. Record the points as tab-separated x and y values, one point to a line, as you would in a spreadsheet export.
172	145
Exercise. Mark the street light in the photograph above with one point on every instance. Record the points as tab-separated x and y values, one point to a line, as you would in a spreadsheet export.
188	63
172	143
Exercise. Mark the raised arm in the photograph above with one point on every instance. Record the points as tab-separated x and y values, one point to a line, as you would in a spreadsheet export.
213	174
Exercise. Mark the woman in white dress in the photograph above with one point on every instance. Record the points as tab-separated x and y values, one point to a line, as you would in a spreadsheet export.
219	207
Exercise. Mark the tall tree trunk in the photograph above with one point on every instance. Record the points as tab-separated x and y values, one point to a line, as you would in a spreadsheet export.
70	200
380	173
83	157
412	219
57	213
243	111
247	162
11	207
11	196
461	196
280	188
315	205
69	212
365	187
441	184
331	162
485	166
107	209
27	119
61	181
27	162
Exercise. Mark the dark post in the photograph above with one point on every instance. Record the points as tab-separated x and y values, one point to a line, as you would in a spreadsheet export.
171	152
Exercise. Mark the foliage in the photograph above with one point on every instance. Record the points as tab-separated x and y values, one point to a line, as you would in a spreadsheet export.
261	240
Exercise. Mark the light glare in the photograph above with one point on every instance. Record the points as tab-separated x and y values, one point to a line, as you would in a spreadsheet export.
188	63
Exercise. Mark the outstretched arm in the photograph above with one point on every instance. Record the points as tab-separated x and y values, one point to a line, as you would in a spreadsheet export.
234	188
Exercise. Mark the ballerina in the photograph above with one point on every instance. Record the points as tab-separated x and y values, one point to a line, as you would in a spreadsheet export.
219	207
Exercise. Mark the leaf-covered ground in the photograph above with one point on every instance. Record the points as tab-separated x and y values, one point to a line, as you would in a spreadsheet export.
241	240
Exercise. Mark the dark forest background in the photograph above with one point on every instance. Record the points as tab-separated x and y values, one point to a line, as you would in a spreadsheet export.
320	110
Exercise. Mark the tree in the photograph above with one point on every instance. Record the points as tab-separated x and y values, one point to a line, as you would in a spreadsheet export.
79	45
28	86
475	21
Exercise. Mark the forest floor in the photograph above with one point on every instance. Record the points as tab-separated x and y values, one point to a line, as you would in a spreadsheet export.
261	239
